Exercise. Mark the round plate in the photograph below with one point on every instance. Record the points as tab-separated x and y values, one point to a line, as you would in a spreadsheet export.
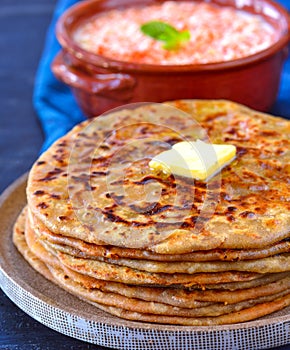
66	314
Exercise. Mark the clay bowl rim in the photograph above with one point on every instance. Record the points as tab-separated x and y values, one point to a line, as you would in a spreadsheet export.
69	45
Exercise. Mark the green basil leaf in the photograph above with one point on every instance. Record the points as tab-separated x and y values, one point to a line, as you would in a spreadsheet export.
171	45
165	32
159	30
184	36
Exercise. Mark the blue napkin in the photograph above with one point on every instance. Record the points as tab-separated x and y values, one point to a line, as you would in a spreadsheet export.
56	107
53	101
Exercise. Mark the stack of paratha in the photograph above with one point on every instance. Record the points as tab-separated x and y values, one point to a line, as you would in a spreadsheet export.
158	248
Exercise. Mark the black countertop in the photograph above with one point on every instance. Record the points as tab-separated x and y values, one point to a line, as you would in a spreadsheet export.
23	26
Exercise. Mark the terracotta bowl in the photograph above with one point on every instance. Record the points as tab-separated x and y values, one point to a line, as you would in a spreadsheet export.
100	83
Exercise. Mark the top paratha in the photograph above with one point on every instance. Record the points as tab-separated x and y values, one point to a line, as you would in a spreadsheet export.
80	248
95	182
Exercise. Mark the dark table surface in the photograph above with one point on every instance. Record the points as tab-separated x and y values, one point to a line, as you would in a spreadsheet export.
23	26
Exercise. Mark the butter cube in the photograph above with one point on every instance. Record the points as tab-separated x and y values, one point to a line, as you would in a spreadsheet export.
198	160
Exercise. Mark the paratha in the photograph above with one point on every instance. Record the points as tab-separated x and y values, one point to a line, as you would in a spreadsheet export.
92	178
244	315
111	272
83	249
19	241
194	307
113	302
275	264
153	307
159	247
149	294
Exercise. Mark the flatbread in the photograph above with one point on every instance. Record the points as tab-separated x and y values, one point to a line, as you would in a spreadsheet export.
113	302
92	178
83	249
137	305
163	294
274	264
161	248
247	314
273	284
19	241
111	272
150	294
123	306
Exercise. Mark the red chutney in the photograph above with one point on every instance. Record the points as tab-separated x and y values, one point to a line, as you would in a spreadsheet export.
217	34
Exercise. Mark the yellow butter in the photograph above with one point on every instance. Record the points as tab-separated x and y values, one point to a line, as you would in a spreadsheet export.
198	160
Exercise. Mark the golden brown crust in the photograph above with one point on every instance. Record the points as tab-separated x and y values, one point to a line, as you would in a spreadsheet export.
245	208
244	315
153	304
157	248
19	241
83	249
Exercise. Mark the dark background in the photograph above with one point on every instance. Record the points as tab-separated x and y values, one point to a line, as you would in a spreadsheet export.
23	25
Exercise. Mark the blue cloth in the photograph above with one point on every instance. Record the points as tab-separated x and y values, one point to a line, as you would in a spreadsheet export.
56	107
53	101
